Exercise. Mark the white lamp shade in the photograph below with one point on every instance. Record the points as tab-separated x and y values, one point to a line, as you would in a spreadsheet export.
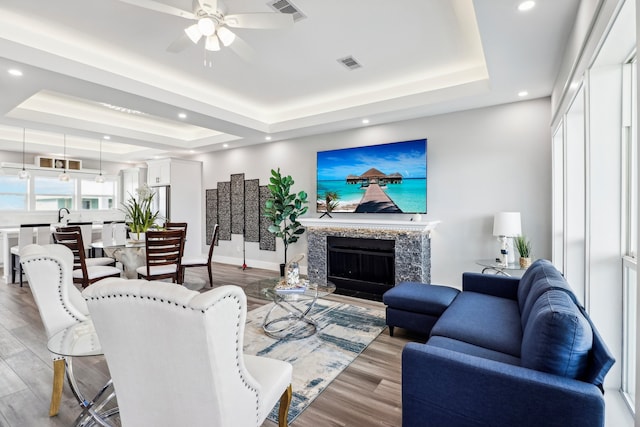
194	33
507	224
212	43
226	36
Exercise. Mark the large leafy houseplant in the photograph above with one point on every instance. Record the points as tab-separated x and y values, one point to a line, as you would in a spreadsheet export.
139	215
283	209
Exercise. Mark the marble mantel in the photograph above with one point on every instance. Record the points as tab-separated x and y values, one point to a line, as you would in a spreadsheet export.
412	244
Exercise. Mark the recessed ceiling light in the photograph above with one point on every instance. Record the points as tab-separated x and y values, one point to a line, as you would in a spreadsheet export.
225	145
15	72
268	138
192	151
526	5
182	115
107	137
365	121
523	93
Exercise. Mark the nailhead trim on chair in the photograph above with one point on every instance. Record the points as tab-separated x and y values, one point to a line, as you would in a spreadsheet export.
238	349
55	357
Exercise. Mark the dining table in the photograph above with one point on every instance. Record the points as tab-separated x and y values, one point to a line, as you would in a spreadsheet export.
131	254
81	340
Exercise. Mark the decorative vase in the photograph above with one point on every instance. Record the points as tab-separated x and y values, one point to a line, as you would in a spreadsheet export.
525	262
138	237
282	270
293	273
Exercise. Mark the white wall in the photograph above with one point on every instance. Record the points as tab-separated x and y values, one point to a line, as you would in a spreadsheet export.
479	162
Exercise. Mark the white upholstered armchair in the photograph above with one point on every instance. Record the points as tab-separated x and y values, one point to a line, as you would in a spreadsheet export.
175	356
49	272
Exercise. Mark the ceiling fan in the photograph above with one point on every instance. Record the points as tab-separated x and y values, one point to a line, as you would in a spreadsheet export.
212	23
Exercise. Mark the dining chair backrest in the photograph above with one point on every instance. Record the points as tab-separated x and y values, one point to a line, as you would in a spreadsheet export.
87	232
107	233
178	226
120	233
49	269
205	367
42	234
214	237
71	237
164	248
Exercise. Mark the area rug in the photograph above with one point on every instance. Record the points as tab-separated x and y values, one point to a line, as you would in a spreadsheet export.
343	332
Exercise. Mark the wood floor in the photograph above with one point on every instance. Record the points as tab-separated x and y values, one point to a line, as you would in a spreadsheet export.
367	393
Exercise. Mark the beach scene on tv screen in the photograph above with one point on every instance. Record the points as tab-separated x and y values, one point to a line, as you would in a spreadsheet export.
386	178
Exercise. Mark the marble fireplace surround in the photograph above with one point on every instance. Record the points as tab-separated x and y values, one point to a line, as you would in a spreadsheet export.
412	244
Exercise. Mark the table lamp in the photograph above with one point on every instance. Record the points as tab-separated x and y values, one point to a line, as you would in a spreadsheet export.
506	225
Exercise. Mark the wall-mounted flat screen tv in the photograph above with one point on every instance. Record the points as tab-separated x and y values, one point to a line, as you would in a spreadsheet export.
386	178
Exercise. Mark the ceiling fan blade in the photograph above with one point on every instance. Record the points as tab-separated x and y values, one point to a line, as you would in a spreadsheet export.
243	50
259	20
180	44
160	7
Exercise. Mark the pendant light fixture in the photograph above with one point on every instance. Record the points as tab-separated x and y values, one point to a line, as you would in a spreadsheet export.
100	178
64	177
23	174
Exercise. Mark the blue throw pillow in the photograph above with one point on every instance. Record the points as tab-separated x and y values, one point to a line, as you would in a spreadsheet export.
557	338
530	276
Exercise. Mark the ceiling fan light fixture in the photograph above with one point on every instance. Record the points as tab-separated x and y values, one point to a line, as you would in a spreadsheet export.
194	33
207	26
226	36
212	43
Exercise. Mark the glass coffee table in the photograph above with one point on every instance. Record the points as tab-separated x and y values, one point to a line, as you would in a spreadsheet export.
289	316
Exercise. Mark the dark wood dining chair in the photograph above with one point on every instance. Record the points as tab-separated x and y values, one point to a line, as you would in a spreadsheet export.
90	261
83	273
202	261
164	255
178	226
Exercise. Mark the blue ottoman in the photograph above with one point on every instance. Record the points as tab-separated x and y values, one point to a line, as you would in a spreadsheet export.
416	306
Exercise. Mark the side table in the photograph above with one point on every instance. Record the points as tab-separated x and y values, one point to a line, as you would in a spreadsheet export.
491	265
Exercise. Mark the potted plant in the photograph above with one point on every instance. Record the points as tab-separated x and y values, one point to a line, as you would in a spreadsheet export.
523	245
283	208
139	215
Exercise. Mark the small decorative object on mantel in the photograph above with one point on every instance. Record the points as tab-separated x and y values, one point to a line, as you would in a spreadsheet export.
524	248
138	212
283	209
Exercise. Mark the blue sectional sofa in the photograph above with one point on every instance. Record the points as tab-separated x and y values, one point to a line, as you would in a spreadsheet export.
508	352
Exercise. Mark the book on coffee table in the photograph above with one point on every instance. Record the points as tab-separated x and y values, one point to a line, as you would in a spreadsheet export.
287	288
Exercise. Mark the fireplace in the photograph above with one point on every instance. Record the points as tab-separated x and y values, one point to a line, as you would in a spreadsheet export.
361	266
411	253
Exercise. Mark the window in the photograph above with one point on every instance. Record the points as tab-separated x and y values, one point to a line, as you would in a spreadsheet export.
13	193
630	221
53	194
97	195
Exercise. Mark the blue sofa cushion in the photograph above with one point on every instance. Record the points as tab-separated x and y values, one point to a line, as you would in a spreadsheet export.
557	338
600	357
482	320
420	297
546	278
472	350
527	279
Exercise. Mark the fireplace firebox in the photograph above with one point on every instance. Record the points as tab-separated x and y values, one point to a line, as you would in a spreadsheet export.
361	267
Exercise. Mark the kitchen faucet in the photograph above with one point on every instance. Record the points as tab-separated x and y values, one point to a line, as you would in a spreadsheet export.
60	213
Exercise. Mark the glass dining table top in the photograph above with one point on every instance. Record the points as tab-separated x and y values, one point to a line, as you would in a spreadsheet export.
77	340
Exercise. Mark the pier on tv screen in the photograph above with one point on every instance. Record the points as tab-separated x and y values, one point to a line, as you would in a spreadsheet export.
386	178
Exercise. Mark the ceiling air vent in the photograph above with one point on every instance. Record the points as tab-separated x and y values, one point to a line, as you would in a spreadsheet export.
350	62
285	6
